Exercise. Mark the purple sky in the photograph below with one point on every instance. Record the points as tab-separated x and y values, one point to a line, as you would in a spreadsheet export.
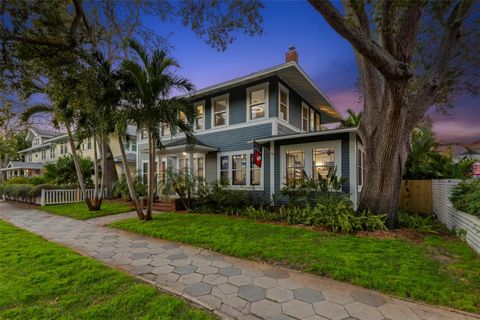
326	57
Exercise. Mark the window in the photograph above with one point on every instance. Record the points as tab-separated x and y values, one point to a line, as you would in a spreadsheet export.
126	143
312	120
145	173
198	167
133	144
182	117
52	153
163	171
283	103
255	172
199	117
183	165
165	130
143	134
87	144
323	159
317	122
239	170
304	118
44	154
224	166
295	164
220	112
257	97
63	148
360	167
36	141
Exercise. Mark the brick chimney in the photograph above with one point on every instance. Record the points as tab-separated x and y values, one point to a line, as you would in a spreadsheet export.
291	55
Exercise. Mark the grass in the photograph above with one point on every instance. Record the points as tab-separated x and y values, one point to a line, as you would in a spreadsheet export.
80	211
42	280
438	270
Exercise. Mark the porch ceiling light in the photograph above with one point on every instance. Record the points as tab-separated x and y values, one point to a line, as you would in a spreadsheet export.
257	109
184	153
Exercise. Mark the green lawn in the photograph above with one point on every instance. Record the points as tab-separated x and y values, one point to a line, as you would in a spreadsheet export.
80	210
42	280
438	270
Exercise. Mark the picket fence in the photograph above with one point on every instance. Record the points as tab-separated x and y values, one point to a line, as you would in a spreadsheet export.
60	196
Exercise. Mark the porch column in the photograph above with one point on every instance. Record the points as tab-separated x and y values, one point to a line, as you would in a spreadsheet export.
190	160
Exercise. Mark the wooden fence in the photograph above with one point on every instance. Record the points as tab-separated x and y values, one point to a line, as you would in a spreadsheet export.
60	196
416	196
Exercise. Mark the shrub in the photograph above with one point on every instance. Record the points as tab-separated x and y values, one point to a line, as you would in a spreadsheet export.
63	171
419	222
332	211
120	188
28	180
27	192
466	196
17	180
218	197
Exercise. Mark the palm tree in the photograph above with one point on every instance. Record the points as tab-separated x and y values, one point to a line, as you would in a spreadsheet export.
63	114
353	119
148	85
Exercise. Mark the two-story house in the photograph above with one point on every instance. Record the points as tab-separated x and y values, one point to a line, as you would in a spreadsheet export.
279	108
48	146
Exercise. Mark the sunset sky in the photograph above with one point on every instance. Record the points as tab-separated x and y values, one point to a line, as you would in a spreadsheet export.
324	55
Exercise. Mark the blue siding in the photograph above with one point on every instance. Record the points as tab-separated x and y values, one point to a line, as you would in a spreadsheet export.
284	130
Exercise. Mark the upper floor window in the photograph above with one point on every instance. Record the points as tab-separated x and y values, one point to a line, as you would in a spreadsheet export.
312	120
318	124
182	117
199	117
63	148
220	111
283	103
133	144
36	141
257	101
87	145
143	134
52	153
304	117
44	154
165	130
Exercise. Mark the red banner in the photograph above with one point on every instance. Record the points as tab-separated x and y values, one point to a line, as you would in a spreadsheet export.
257	154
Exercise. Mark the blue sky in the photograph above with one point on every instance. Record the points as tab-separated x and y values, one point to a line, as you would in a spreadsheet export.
324	55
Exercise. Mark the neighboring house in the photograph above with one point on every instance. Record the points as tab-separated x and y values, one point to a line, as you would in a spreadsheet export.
281	109
48	146
474	155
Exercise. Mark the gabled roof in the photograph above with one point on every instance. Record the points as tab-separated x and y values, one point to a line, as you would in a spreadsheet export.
23	165
47	134
295	77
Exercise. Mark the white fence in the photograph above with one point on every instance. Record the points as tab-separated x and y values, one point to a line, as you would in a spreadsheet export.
451	217
60	196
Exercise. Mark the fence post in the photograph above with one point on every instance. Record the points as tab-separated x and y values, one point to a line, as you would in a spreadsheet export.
42	198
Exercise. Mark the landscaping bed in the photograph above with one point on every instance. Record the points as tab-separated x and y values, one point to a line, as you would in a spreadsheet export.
435	268
80	211
42	280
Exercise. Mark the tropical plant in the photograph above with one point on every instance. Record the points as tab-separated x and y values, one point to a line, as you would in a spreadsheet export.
63	171
148	85
466	196
352	120
216	196
121	190
184	183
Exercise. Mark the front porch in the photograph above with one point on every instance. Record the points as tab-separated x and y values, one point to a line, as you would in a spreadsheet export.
22	169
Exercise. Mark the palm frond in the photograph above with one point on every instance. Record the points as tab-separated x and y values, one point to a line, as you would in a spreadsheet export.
34	110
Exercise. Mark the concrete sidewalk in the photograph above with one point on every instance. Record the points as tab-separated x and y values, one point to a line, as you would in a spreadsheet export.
230	287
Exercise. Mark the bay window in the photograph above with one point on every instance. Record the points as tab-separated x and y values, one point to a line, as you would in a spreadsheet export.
239	169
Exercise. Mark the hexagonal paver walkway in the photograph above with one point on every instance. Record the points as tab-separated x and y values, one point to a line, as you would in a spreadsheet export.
230	287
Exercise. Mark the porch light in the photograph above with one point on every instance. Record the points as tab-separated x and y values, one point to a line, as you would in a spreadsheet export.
256	109
184	153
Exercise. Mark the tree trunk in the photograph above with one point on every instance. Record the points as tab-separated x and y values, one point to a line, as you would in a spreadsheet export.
131	186
97	202
78	168
110	171
151	174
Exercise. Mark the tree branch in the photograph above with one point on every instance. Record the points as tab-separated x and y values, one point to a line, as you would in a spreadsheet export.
434	78
405	39
361	42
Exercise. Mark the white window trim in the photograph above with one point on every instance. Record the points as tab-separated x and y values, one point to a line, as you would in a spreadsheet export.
362	149
282	88
198	103
167	136
336	145
260	86
311	112
139	135
305	106
248	153
217	98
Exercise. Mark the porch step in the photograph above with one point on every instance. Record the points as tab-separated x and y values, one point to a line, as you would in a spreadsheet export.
163	206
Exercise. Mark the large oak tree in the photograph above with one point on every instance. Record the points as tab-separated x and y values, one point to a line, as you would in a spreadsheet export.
411	55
